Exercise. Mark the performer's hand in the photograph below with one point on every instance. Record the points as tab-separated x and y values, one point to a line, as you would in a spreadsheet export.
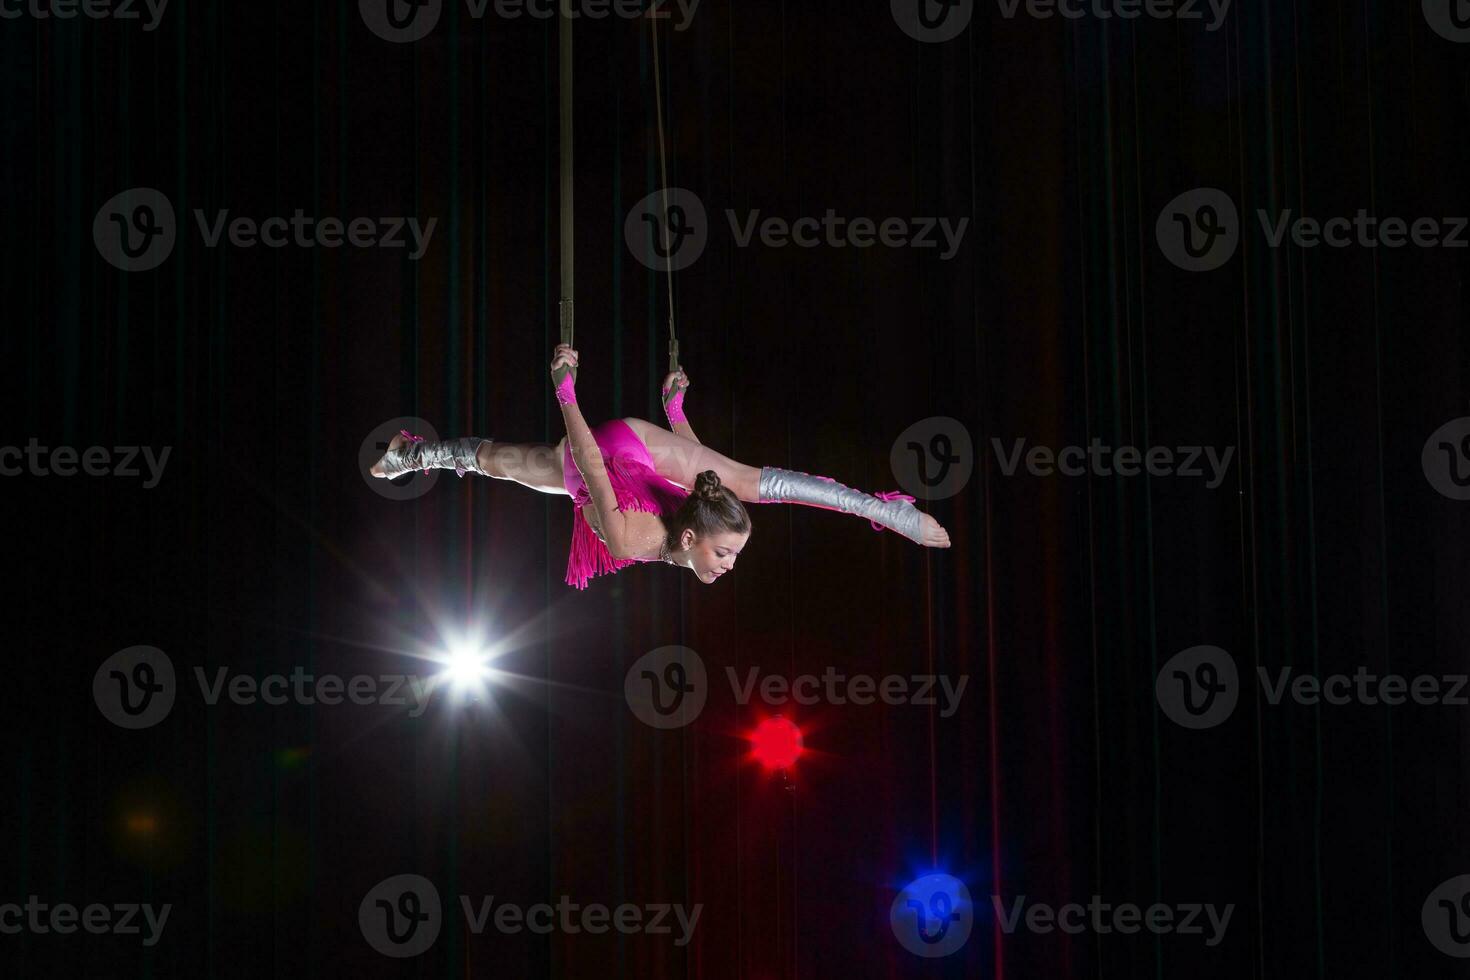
676	381
564	356
672	391
563	372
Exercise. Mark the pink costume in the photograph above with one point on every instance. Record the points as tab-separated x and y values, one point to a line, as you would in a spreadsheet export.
636	484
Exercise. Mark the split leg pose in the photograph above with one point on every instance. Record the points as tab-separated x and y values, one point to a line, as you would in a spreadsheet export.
649	493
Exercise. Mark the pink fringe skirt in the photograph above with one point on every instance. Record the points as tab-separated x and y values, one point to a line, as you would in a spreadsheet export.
636	484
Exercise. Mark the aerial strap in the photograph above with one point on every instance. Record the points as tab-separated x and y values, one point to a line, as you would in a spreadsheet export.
663	169
565	308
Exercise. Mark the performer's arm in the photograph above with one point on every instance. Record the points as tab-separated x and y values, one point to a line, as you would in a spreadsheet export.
672	391
588	459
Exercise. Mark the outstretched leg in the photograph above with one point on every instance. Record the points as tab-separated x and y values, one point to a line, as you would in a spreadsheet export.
531	464
680	460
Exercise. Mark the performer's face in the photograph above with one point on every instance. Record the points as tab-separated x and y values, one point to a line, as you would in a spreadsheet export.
713	555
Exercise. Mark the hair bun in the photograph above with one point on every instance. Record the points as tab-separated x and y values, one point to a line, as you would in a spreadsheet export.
707	485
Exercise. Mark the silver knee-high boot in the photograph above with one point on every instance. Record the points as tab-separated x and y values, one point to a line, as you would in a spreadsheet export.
892	510
460	455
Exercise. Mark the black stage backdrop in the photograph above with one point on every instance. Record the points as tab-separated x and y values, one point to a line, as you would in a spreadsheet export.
1071	310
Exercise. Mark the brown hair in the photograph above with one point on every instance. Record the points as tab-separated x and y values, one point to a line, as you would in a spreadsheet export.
710	508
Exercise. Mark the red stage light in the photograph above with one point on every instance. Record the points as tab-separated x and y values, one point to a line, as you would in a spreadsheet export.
775	743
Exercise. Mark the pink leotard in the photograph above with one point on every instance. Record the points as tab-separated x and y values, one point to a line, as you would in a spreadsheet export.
636	484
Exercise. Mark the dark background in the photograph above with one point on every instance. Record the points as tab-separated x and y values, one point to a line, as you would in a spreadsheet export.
1060	320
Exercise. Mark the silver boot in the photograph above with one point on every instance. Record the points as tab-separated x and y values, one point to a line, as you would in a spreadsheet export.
891	510
460	455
